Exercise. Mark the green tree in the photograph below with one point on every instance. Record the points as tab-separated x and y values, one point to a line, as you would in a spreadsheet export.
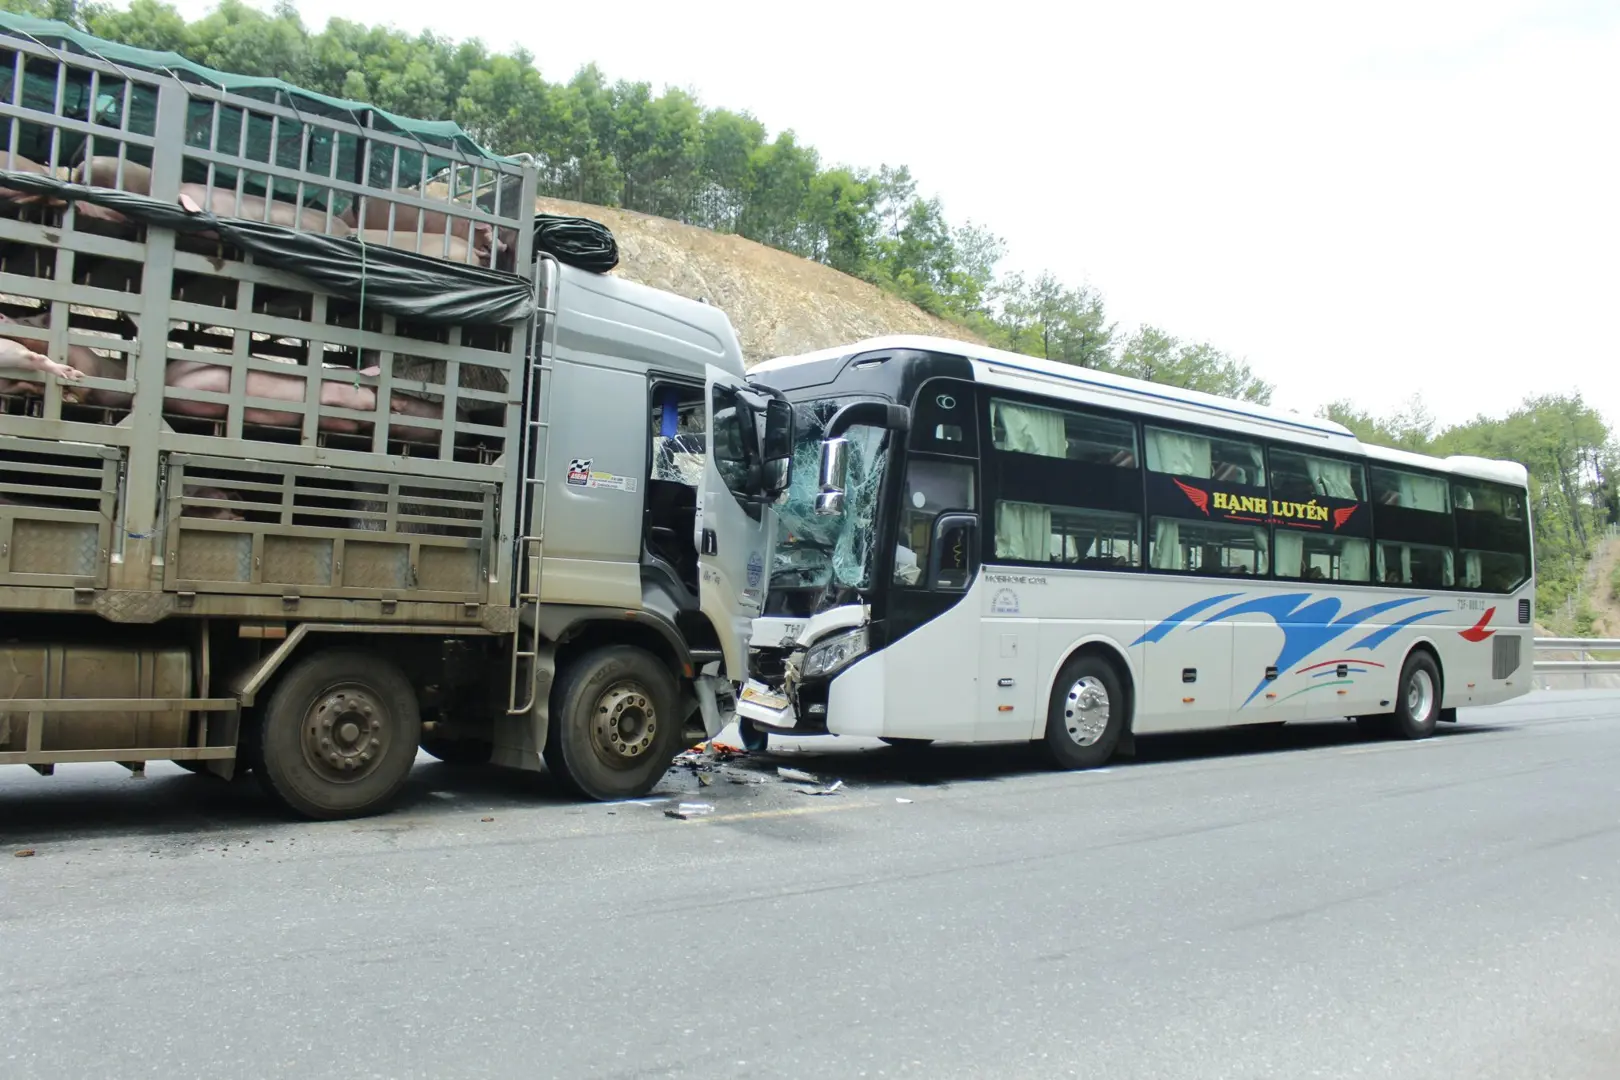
1154	355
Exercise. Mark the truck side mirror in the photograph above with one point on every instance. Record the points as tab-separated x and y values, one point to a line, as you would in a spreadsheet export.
776	447
834	476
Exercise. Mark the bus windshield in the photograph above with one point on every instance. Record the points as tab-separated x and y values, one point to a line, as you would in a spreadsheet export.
815	552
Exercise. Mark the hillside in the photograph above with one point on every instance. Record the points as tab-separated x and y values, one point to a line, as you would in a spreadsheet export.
781	304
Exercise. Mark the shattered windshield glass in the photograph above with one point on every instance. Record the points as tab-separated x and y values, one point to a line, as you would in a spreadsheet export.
813	551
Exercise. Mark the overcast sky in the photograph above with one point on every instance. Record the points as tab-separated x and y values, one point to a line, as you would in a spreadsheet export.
1364	200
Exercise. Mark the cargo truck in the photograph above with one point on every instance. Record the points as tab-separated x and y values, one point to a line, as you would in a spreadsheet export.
317	446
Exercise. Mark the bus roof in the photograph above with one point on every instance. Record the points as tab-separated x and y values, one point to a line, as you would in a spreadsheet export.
997	367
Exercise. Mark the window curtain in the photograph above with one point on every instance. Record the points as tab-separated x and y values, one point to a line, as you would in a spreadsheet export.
1023	531
1423	493
1450	568
1030	430
1290	554
1332	478
1179	455
1464	497
1166	539
1473	575
1353	560
1256	475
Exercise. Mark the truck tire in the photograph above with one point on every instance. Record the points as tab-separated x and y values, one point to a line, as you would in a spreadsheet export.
614	723
338	736
1085	715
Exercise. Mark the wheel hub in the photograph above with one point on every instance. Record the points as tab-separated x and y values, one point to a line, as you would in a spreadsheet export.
1420	695
1085	710
625	723
343	734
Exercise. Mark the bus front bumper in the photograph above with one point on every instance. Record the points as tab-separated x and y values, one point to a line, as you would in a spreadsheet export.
772	709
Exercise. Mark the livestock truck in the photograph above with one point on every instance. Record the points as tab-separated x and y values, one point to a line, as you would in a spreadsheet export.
317	446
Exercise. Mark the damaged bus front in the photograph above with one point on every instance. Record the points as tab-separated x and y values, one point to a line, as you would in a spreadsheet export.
833	549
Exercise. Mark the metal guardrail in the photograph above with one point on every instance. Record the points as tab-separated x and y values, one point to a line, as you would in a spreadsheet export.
1585	665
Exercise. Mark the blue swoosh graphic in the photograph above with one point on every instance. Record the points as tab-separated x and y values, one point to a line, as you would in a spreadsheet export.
1158	632
1381	635
1307	625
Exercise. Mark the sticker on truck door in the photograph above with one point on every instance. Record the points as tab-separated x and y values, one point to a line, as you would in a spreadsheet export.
580	474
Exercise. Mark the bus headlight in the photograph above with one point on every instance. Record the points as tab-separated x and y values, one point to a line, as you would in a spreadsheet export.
828	656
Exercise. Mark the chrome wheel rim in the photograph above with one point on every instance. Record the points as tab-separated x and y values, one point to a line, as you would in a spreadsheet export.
1085	710
1420	695
624	724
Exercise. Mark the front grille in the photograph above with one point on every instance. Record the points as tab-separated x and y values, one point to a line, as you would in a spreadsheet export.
1504	655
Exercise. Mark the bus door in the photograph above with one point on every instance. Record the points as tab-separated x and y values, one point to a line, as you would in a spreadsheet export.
932	669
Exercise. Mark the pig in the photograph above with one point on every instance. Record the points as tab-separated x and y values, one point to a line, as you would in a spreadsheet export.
18	355
435	224
192	375
83	362
193	197
18	163
103	172
432	245
214	513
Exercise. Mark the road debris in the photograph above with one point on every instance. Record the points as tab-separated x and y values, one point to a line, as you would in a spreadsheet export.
686	811
25	853
487	819
705	779
898	799
797	776
833	790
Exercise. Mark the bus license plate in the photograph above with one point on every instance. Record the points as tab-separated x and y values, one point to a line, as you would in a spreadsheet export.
759	694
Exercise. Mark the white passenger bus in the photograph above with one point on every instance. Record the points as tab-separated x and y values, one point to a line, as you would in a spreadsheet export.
997	547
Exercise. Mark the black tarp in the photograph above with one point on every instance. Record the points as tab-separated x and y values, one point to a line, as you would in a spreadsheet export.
576	241
401	283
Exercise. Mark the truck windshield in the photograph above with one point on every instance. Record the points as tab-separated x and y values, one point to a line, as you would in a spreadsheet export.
813	552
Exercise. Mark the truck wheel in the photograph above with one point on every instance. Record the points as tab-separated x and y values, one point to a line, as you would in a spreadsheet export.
460	751
338	735
1085	715
614	724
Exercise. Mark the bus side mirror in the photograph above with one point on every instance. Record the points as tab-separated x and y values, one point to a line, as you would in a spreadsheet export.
776	448
953	556
834	476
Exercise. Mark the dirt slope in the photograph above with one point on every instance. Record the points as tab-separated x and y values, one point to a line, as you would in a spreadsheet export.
779	303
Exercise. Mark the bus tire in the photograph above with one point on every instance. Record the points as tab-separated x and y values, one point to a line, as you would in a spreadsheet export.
755	739
1417	701
1086	714
615	727
339	735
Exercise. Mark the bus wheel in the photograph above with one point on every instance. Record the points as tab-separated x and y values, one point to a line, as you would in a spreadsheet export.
1086	714
614	724
755	739
1417	706
338	735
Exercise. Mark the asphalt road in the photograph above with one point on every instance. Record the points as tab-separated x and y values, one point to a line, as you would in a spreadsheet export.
1292	904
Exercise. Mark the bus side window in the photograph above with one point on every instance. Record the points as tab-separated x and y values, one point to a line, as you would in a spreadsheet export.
932	487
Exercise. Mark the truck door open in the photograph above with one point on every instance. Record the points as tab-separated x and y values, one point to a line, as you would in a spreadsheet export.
735	525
